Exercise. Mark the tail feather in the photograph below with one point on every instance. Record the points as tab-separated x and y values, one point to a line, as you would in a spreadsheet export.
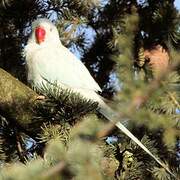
108	113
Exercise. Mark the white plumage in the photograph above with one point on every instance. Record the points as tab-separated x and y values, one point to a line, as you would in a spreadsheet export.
49	62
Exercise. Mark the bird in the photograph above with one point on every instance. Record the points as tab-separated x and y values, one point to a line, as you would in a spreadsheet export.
48	61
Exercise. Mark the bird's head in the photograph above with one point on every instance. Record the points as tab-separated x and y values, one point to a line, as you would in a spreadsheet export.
44	31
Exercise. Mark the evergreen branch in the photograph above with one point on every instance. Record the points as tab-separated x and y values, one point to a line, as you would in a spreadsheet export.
19	104
174	99
141	99
146	94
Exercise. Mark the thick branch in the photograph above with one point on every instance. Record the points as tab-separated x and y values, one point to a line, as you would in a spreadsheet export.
16	100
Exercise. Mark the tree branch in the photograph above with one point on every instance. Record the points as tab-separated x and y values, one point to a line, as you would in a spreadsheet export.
17	102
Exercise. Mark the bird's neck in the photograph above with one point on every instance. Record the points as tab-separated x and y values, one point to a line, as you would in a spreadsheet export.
35	46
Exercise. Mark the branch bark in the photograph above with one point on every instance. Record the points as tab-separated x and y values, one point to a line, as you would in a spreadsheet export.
17	101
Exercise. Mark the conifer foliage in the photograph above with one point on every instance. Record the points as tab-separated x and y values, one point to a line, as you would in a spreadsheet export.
131	48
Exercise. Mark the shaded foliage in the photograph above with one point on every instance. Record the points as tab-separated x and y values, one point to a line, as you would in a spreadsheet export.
119	41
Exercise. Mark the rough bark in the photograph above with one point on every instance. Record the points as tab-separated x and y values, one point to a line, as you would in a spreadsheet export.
17	101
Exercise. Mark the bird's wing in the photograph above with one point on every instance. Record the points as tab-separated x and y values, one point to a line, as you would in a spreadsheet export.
64	68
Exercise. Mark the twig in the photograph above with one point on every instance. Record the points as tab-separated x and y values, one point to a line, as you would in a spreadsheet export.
54	170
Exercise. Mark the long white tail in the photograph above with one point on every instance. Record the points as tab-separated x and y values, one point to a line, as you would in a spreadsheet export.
107	112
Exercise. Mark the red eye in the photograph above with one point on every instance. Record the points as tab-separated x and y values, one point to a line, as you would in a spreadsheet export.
40	34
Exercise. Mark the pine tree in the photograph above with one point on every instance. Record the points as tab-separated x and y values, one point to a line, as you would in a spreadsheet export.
131	49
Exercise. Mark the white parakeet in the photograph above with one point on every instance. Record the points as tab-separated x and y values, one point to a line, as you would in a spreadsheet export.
48	60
